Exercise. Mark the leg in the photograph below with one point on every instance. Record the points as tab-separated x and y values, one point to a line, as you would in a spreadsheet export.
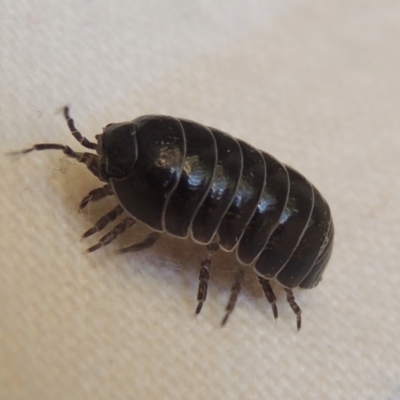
104	221
75	133
294	306
148	242
234	295
269	294
204	274
113	234
96	195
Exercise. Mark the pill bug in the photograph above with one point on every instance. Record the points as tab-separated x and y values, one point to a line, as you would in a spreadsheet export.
184	178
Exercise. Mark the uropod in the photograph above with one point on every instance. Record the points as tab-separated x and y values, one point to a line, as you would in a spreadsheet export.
187	179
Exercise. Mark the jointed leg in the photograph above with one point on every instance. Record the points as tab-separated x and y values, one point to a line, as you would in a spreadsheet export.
234	294
113	234
269	294
96	195
296	309
104	221
204	274
148	242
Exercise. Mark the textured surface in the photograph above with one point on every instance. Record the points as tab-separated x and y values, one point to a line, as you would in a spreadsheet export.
315	83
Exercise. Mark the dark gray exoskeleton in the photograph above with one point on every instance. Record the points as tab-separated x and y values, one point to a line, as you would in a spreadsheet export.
183	178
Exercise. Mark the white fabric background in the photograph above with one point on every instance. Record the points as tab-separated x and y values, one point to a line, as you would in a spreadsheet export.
315	83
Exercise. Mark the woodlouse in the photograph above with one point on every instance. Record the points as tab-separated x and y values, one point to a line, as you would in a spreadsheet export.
184	178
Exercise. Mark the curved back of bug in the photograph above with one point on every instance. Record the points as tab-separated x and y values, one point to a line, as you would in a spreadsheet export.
311	245
246	198
290	230
225	180
161	151
196	178
269	209
315	275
